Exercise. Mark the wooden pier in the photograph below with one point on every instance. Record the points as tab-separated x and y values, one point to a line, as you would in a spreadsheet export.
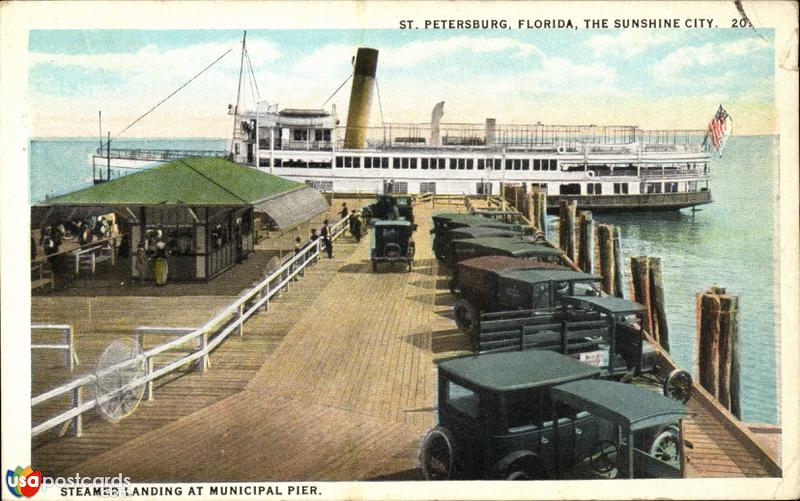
336	381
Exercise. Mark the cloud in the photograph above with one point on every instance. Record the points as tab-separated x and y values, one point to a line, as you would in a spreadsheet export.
627	43
674	68
415	53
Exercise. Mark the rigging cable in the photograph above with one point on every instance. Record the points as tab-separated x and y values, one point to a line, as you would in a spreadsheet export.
380	106
337	89
252	72
173	93
239	89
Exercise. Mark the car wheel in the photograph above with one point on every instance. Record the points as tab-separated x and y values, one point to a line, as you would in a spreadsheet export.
437	455
667	447
678	385
465	315
605	454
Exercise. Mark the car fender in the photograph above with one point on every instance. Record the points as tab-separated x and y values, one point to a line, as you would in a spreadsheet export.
521	459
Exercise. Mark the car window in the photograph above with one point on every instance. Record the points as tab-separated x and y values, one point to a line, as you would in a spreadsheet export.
560	289
462	399
585	289
541	295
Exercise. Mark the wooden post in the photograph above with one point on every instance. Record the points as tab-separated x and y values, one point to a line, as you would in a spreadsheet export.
530	210
572	248
619	268
718	347
586	242
640	271
543	211
605	237
562	225
77	421
658	303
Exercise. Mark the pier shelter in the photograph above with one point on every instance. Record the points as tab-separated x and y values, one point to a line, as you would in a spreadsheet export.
202	208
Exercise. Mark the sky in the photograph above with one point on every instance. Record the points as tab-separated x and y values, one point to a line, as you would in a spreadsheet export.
656	79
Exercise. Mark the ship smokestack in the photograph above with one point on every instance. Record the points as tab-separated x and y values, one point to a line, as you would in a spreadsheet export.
360	98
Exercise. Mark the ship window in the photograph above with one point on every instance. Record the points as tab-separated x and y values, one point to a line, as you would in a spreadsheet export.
442	163
425	164
348	162
508	164
621	188
367	162
670	187
453	163
461	164
395	163
317	134
481	163
517	164
278	162
526	164
469	163
594	189
484	189
404	163
413	163
570	189
319	165
498	164
553	164
356	162
537	164
691	186
652	187
300	134
427	187
339	162
384	163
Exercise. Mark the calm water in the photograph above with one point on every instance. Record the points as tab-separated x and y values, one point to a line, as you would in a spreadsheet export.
728	243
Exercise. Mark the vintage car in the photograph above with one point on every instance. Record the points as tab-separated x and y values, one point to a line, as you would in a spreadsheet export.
389	207
520	247
391	243
443	222
541	415
465	232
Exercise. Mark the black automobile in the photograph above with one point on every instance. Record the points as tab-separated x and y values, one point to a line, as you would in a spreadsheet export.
389	208
392	243
541	415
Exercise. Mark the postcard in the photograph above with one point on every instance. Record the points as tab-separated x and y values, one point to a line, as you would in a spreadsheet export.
399	250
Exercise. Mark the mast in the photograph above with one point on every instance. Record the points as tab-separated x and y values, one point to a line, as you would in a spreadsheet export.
238	94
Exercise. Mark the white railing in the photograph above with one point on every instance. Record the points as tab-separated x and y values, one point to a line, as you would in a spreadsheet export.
90	255
205	339
68	347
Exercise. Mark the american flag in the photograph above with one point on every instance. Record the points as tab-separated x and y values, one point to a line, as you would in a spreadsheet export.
718	128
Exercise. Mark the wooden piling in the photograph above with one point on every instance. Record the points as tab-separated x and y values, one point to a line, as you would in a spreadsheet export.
648	290
530	211
619	269
586	242
543	211
605	241
717	347
568	224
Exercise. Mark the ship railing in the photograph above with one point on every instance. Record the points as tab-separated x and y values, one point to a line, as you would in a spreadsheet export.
201	342
670	174
155	154
70	358
561	137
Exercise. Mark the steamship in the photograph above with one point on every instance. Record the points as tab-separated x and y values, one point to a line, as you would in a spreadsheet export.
600	167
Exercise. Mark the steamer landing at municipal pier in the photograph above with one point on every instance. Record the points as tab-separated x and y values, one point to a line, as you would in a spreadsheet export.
601	167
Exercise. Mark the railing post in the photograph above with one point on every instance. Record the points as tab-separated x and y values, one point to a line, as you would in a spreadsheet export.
202	365
93	262
241	321
77	263
70	351
149	385
77	421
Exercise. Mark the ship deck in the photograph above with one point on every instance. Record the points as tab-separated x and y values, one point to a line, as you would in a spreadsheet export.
335	382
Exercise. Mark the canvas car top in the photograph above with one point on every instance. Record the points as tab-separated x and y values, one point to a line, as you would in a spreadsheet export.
496	263
521	246
481	231
634	407
518	369
532	275
607	304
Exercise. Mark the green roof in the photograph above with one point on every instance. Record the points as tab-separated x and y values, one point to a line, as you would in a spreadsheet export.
521	246
531	275
621	403
518	370
199	181
481	231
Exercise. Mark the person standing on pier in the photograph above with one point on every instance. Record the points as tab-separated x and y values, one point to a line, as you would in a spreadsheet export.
140	263
355	225
160	267
325	233
343	213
